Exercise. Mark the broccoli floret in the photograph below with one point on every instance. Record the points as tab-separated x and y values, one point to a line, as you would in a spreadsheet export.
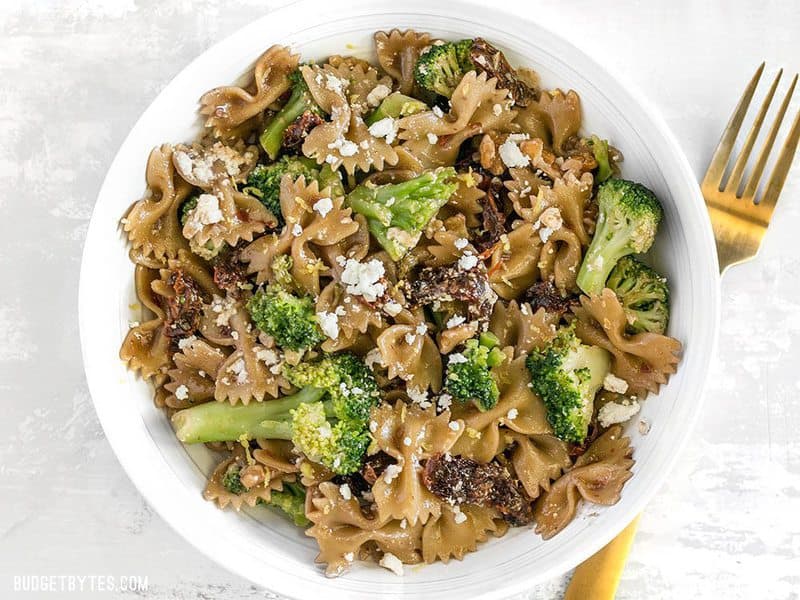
440	68
299	102
397	213
567	374
396	105
627	224
643	293
264	181
231	480
291	500
187	206
469	377
288	318
327	419
600	150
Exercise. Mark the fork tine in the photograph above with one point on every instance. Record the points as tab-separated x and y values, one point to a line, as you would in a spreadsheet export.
758	170
780	171
735	178
723	152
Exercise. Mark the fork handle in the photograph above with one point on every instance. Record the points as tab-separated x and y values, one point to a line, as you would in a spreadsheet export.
598	576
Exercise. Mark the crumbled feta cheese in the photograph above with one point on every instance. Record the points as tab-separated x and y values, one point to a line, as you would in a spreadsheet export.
385	128
456	358
454	425
393	308
133	324
421	329
404	523
512	414
391	562
377	94
373	358
615	384
454	321
267	355
510	153
344	490
551	217
363	279
391	472
418	396
438	112
409	338
207	212
225	309
349	556
444	402
497	109
373	426
544	234
329	324
335	84
182	392
467	261
460	243
239	369
345	147
297	230
458	516
184	343
406	441
617	412
323	206
432	138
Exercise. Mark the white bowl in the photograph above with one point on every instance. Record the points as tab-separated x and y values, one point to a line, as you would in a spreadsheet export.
262	546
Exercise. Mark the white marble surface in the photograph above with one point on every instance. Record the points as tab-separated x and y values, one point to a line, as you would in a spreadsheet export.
76	74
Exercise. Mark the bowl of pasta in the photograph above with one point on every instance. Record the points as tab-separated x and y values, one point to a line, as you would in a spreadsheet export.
405	305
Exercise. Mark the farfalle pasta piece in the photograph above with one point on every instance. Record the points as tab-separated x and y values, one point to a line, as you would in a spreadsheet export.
306	229
342	530
345	140
225	217
513	267
517	326
561	114
353	316
597	477
430	153
518	409
409	435
146	349
559	260
644	360
452	536
523	191
227	107
472	104
355	246
398	51
204	166
278	455
245	375
538	460
571	196
152	224
411	355
193	380
263	482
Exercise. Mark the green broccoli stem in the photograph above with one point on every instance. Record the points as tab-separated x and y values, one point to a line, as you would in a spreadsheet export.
601	258
223	422
365	201
271	138
396	105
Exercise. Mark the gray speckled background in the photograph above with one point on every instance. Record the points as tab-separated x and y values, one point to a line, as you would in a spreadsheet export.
75	76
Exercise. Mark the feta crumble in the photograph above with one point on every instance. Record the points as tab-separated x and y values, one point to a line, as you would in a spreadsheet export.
377	94
432	138
454	321
385	128
461	243
323	206
363	279
512	414
182	392
391	472
329	324
392	308
184	343
438	112
615	384
297	230
510	153
456	358
617	412
207	212
344	490
391	562
467	261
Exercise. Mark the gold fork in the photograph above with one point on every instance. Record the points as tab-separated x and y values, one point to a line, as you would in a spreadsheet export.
738	217
740	220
